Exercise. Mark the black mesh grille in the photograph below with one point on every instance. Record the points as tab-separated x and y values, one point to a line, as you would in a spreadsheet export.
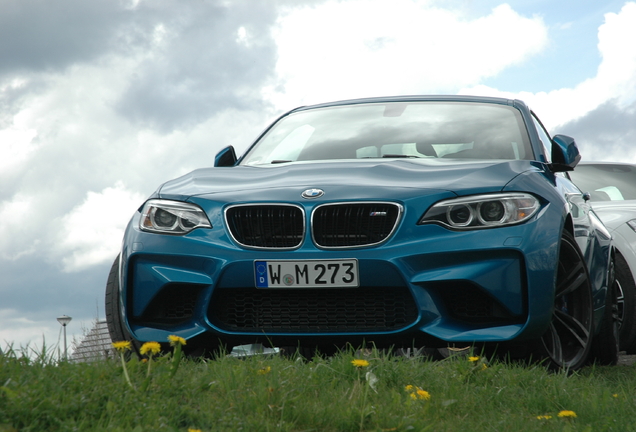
309	310
175	303
469	305
359	224
466	302
266	226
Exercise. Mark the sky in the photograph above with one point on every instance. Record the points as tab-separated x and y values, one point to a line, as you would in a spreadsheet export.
102	101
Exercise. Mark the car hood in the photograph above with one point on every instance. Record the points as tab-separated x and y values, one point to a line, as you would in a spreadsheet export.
615	213
465	177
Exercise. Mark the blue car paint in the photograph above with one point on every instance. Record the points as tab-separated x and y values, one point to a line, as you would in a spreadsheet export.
514	264
466	175
498	275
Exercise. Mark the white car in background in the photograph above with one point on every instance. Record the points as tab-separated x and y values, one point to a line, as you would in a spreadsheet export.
612	190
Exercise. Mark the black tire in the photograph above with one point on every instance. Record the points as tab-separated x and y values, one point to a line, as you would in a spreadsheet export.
626	305
605	346
567	342
116	328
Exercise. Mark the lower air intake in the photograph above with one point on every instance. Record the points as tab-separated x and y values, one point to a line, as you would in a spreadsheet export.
309	310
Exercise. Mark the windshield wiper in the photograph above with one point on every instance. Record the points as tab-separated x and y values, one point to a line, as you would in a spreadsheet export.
399	156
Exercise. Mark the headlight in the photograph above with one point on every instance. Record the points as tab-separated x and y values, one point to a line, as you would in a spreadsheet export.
172	217
482	211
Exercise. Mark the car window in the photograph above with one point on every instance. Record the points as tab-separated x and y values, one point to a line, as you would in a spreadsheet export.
290	146
606	182
546	142
381	130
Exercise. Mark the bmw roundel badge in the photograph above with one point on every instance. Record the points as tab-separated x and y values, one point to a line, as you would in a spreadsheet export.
312	193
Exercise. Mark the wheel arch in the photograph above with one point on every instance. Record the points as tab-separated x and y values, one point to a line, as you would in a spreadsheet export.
568	224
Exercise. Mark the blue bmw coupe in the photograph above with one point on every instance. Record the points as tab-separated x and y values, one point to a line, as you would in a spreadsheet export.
412	221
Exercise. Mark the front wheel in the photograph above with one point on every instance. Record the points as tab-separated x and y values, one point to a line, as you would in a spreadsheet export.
116	328
605	347
567	342
626	305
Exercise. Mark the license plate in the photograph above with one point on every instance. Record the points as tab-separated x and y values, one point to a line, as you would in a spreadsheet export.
307	274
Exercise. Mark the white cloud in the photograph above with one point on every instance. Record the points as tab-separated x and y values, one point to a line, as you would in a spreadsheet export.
15	227
615	78
159	34
617	37
242	37
15	146
372	48
72	147
92	232
16	140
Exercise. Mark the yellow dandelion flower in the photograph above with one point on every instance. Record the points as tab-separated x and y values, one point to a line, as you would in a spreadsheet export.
151	348
567	414
194	430
360	363
174	340
121	346
264	371
423	394
417	393
484	366
615	395
473	359
544	417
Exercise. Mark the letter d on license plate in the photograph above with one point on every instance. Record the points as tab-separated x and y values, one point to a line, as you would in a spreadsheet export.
307	274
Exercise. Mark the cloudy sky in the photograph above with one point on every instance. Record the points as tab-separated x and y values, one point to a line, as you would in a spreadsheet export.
103	100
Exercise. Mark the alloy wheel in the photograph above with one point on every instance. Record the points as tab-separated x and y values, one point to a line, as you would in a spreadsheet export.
568	339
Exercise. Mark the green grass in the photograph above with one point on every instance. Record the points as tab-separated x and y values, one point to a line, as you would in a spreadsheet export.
326	394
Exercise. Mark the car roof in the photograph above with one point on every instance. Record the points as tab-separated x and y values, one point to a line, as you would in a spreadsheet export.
606	163
417	98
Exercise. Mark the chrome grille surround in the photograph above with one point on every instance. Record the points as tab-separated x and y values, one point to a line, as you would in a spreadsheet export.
279	226
354	224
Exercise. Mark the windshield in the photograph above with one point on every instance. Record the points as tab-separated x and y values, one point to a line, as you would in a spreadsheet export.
395	130
606	182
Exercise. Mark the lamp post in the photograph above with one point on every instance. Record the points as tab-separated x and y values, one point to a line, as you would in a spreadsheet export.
64	320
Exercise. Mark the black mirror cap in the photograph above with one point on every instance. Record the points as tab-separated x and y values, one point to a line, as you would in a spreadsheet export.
225	158
565	153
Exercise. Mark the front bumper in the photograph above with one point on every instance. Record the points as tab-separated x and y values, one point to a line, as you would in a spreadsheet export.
425	285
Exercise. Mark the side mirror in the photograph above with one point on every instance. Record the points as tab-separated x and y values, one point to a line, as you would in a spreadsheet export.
565	153
225	158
